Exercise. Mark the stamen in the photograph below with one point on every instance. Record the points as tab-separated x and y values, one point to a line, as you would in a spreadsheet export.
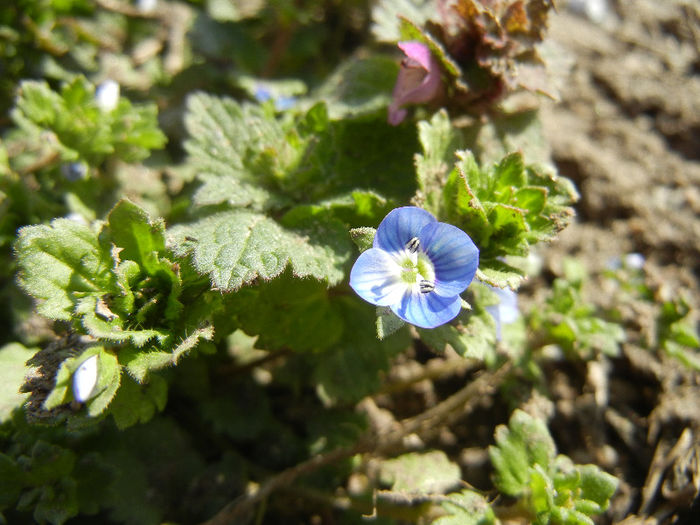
413	244
426	286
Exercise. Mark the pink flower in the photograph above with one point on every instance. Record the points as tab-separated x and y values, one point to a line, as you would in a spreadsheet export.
418	80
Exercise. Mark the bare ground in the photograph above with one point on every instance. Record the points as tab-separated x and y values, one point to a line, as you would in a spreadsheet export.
627	131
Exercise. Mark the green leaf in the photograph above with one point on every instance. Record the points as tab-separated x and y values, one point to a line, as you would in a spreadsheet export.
13	368
332	429
439	143
237	247
466	508
508	207
108	377
363	237
387	322
497	273
596	486
420	473
524	443
240	152
289	313
138	403
509	175
11	481
541	490
57	262
54	503
355	208
573	323
678	336
351	368
386	21
361	85
108	380
112	328
80	129
472	334
138	362
139	238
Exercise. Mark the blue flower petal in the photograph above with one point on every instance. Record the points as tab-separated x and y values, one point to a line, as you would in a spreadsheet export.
508	307
454	255
400	226
427	310
376	277
506	311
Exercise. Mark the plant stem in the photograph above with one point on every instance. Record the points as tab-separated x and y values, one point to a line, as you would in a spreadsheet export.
457	405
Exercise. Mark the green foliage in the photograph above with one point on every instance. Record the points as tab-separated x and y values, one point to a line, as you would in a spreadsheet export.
556	490
505	208
13	357
79	130
524	443
247	156
230	350
108	380
115	283
387	322
76	474
420	473
573	323
466	508
237	247
508	207
351	369
359	86
273	310
363	237
677	335
472	334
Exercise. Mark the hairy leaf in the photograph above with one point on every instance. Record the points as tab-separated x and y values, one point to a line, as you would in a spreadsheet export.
59	261
524	443
237	247
81	129
466	508
13	368
138	403
420	473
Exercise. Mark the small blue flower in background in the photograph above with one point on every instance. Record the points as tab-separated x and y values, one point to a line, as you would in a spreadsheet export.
630	261
282	103
506	311
417	266
107	95
74	171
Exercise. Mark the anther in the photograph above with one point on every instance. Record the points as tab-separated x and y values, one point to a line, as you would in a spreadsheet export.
412	245
426	286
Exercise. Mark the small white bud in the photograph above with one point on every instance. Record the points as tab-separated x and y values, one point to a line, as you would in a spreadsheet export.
85	379
107	95
634	261
146	6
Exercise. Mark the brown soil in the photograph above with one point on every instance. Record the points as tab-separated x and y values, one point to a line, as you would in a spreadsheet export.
627	131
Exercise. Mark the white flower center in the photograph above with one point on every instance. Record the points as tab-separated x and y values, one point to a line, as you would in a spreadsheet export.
416	268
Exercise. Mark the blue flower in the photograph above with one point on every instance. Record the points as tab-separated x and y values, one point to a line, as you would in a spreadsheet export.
417	266
506	311
282	103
